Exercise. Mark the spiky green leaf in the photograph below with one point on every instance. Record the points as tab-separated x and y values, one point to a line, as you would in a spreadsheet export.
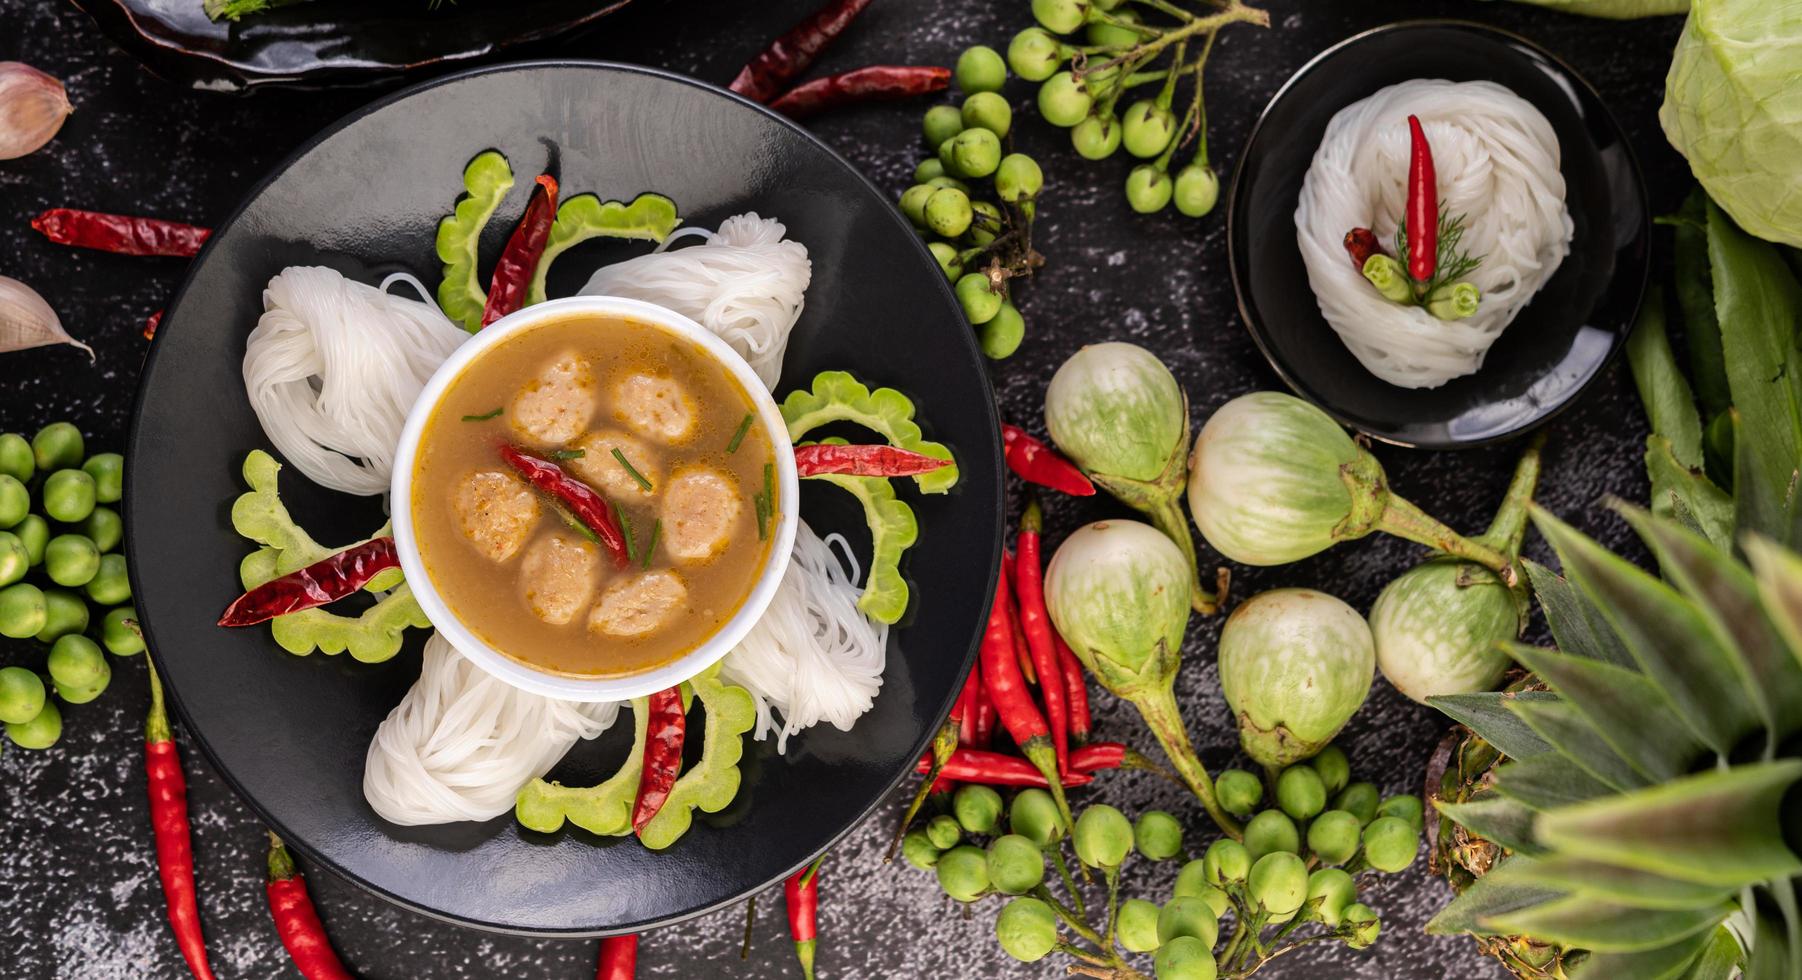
1686	494
1487	714
1485	899
1665	963
1587	923
1779	574
1623	707
1717	828
1497	819
1774	952
1576	623
1611	883
1664	632
1547	782
1720	959
1577	740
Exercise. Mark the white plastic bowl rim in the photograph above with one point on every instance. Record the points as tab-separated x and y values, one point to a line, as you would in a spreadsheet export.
563	686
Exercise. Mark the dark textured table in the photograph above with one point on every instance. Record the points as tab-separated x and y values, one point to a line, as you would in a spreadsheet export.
78	890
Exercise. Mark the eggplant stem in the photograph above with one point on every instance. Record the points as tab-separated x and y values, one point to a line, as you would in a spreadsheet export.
1403	519
1510	525
1159	710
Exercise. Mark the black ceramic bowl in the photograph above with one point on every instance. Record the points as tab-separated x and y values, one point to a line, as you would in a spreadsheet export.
1556	345
290	733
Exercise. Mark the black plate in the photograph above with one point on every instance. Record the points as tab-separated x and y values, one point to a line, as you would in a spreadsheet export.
331	42
290	733
1556	345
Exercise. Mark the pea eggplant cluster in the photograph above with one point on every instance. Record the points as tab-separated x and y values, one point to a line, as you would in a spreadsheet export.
59	559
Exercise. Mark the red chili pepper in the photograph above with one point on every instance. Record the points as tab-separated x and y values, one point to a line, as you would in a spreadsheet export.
1035	622
985	719
1001	769
1361	244
327	580
1423	206
588	506
876	83
964	711
1035	462
668	729
297	921
619	958
1076	691
169	825
1021	655
802	891
122	233
519	260
1007	688
823	458
1097	756
791	54
151	322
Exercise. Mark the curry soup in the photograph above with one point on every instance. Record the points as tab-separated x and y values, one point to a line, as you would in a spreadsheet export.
654	424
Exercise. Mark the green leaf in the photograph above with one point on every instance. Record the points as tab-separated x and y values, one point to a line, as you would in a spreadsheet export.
836	396
1576	623
1664	632
711	783
1548	781
1623	707
1694	282
1487	898
1584	922
1759	304
650	217
1716	828
1727	595
1773	951
1688	494
486	181
1720	959
1617	885
605	809
1577	740
1758	507
893	529
1664	963
1662	388
1497	819
1487	714
1779	572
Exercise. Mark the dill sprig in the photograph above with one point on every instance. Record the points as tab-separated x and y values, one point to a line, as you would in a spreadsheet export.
1453	263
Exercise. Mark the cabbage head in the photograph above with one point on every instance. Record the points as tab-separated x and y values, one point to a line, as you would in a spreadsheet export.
1616	9
1733	107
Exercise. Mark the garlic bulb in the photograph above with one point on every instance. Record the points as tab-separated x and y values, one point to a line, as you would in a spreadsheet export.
33	106
27	321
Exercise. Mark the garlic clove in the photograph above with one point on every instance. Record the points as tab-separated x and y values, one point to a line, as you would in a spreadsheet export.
26	320
33	106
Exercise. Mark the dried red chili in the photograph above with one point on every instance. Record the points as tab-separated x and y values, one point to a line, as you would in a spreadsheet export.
326	580
667	730
1076	691
297	921
802	894
1422	206
1361	244
588	506
876	83
122	233
1035	462
169	826
791	54
824	458
1035	623
519	260
1013	704
619	958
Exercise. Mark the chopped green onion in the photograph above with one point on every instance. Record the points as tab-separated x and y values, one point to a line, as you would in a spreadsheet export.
766	501
494	414
625	528
643	483
651	546
763	516
739	436
567	453
576	525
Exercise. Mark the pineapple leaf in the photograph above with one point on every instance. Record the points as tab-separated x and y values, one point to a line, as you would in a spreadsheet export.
1487	714
1575	739
1625	709
1611	883
1576	623
1664	632
1717	828
1720	960
1779	572
1662	388
1727	594
1602	927
1664	963
1686	494
1497	819
1487	897
1773	954
1547	782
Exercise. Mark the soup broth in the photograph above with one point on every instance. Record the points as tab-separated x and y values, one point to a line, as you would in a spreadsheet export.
654	424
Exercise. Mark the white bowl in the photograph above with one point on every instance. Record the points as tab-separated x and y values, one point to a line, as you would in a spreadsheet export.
565	686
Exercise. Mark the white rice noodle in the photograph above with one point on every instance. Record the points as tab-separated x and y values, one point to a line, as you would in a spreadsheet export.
462	743
744	283
333	367
1497	162
814	656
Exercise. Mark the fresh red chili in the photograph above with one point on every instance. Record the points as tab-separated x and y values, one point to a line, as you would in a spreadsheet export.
169	825
1035	622
1423	206
588	506
297	921
964	711
876	83
985	719
619	958
519	260
327	580
1097	756
1013	704
802	890
122	233
878	460
151	322
1361	244
667	730
791	54
1021	655
1076	691
1000	769
1035	462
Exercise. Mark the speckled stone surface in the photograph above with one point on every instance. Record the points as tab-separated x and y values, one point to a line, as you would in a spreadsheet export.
79	897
